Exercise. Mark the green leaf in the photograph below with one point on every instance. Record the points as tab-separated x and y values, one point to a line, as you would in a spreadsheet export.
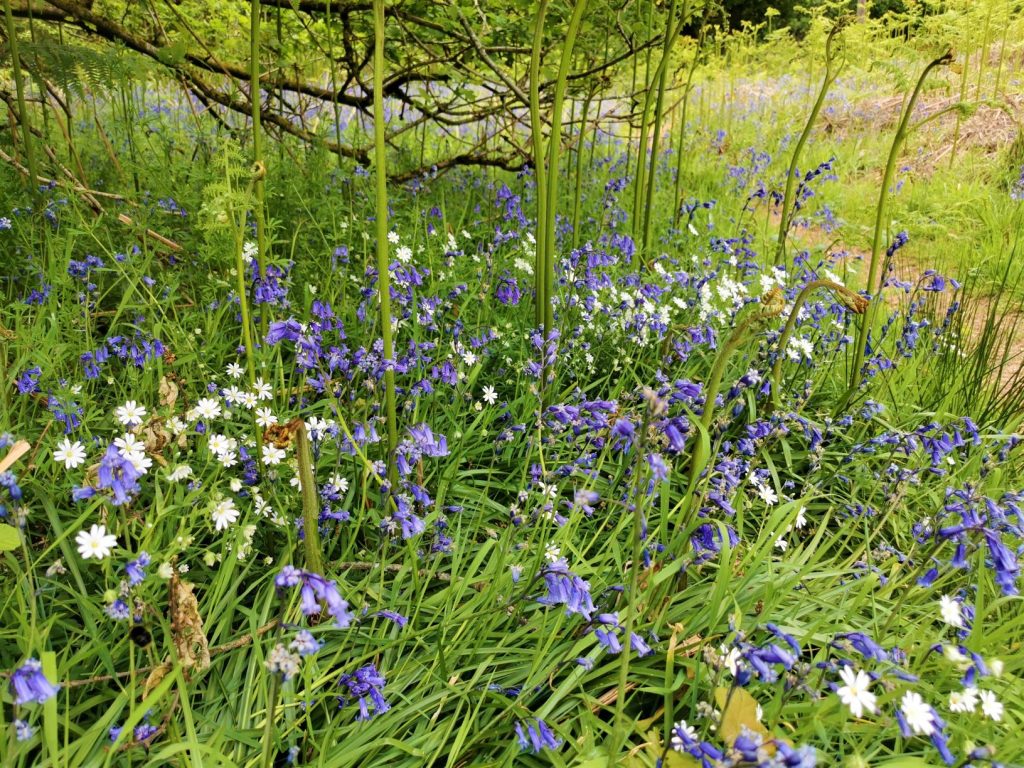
9	538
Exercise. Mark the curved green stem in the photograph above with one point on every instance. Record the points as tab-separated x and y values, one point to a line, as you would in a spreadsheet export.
873	282
540	177
833	65
772	306
310	502
19	87
259	167
849	299
671	35
554	150
383	273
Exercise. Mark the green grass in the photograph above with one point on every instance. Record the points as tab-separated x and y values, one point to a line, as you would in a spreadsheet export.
476	652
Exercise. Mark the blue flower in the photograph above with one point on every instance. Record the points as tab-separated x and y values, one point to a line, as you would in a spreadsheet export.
118	475
29	684
536	736
136	569
282	330
314	588
364	685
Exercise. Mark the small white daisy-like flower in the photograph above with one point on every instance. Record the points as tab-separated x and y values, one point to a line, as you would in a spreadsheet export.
235	371
404	254
262	390
179	473
165	571
552	552
683	736
393	237
855	693
489	396
207	408
272	455
140	461
469	358
176	425
72	454
128	443
917	713
767	493
991	706
218	444
95	543
963	701
232	395
228	459
781	544
248	400
224	513
950	609
235	485
130	414
801	518
265	417
338	484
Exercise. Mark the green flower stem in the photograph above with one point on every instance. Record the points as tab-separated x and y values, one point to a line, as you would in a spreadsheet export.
310	502
671	35
848	298
259	167
539	282
771	306
554	150
383	274
641	154
578	192
19	86
682	120
834	60
873	282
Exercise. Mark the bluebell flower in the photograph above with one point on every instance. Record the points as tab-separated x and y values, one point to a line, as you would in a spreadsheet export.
136	569
313	589
22	730
282	330
365	686
29	684
568	589
536	736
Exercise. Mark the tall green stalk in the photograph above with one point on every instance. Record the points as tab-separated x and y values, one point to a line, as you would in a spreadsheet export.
540	177
834	60
873	283
681	139
259	165
772	304
310	501
19	86
554	151
852	301
671	34
383	274
641	152
959	114
578	192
